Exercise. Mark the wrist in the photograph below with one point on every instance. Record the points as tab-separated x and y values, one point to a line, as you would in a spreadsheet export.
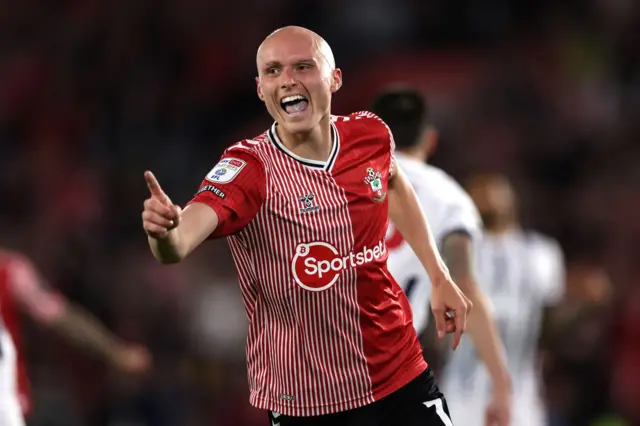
441	276
502	384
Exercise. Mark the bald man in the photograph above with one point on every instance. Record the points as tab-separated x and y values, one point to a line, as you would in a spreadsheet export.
304	207
522	273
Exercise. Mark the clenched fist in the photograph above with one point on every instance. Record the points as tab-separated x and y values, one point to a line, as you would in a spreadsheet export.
160	215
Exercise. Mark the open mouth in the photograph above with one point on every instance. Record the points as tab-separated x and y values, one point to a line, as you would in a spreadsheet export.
294	104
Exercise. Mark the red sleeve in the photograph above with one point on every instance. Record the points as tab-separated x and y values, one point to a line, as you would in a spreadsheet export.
235	188
386	137
29	290
392	151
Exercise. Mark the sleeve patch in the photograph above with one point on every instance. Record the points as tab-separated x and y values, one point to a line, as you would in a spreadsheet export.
226	170
213	189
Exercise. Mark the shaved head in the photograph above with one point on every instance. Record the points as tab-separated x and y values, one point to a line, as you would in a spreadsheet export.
297	77
286	34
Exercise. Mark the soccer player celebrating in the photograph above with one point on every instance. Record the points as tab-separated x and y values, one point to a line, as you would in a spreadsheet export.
522	273
304	208
22	289
456	226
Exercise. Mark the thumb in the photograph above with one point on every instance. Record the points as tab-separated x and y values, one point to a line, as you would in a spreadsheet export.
177	211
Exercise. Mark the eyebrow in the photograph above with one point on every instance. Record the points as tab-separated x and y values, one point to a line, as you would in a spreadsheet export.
275	64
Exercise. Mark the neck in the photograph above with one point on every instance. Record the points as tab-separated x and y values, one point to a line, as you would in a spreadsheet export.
414	152
314	144
502	228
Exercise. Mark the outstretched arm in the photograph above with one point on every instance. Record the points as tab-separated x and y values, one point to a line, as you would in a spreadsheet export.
173	233
70	321
457	251
229	197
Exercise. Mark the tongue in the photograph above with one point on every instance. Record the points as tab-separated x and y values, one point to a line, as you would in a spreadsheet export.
297	107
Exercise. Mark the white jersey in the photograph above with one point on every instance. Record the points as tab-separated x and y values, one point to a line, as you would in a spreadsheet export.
10	411
448	209
521	273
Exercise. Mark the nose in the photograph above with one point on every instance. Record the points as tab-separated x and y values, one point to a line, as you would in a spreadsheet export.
288	80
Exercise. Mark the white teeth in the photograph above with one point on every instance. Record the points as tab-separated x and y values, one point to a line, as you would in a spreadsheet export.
293	98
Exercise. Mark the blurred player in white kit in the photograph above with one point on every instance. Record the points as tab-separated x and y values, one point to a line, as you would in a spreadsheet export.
456	226
522	273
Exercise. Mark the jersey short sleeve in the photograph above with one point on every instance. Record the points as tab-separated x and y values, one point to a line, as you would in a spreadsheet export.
235	189
460	217
391	143
383	132
392	152
549	260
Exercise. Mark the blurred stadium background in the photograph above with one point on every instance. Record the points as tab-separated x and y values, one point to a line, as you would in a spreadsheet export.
93	92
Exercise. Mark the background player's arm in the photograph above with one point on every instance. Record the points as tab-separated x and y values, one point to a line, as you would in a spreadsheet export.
69	320
457	251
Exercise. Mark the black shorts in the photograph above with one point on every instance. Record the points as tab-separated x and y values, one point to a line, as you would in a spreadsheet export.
419	403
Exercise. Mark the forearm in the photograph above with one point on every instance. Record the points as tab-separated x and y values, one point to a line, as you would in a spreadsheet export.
167	250
457	251
85	330
407	216
482	329
197	222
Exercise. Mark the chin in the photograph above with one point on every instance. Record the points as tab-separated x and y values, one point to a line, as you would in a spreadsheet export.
300	124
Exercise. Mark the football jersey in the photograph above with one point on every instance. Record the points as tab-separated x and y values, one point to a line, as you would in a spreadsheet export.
329	328
448	209
521	273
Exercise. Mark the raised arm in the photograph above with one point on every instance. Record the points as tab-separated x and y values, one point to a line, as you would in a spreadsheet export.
229	197
173	233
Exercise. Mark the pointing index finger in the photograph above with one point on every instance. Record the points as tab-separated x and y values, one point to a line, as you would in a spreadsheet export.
154	186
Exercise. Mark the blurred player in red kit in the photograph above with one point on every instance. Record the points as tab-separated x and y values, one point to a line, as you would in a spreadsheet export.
305	208
22	289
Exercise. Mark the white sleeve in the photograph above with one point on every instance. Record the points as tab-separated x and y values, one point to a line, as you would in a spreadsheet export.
550	264
460	217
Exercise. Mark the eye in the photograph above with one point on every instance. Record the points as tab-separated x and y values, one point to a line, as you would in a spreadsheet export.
272	71
302	67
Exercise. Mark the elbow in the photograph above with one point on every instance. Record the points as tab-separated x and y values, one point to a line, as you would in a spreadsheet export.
167	254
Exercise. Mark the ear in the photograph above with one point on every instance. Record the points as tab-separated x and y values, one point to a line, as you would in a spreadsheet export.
336	81
259	89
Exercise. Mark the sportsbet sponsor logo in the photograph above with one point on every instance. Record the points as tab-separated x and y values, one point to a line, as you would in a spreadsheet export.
317	266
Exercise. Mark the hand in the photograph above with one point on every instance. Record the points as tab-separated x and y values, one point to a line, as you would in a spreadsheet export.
450	309
160	215
132	359
498	412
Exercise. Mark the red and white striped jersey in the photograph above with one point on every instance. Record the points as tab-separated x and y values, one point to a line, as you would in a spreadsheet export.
329	328
20	287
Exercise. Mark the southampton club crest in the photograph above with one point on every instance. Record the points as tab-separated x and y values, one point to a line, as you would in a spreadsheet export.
374	180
